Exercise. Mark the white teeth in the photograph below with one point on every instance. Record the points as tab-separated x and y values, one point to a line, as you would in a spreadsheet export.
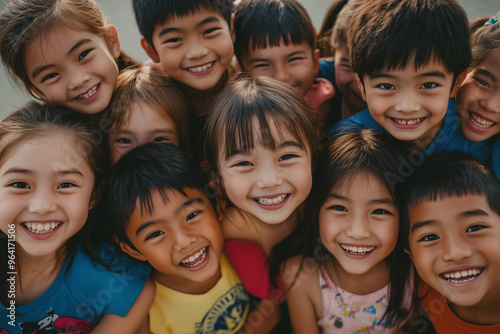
462	276
357	250
90	93
479	121
271	201
200	68
410	122
41	228
189	262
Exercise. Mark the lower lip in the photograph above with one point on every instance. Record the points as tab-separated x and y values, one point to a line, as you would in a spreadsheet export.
92	98
204	71
406	126
41	236
201	265
357	256
477	128
273	206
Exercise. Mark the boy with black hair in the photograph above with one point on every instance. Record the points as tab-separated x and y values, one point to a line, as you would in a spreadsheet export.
276	38
161	215
410	57
191	41
451	215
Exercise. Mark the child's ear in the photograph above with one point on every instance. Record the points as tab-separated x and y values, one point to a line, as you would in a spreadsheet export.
113	41
150	51
409	254
316	61
231	27
132	252
361	87
458	82
38	93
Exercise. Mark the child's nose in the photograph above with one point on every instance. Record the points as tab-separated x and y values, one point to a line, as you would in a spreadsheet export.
358	227
183	239
42	202
407	102
78	78
455	250
269	177
491	103
196	51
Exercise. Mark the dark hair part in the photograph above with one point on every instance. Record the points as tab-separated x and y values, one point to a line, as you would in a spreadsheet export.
324	36
151	13
40	119
389	34
485	39
151	167
448	174
149	85
347	155
260	24
229	126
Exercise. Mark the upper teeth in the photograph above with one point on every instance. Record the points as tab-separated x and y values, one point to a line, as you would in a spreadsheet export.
200	68
89	93
40	228
270	201
357	250
480	122
463	273
188	262
410	122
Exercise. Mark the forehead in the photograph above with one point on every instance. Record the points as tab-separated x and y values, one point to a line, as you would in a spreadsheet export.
433	67
277	51
190	20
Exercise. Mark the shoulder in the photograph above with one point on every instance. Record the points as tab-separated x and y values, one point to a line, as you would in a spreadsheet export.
299	272
359	121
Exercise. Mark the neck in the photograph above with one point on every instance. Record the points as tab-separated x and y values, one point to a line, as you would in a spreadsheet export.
486	312
360	284
201	98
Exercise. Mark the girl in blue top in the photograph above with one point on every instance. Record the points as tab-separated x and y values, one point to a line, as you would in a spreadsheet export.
55	274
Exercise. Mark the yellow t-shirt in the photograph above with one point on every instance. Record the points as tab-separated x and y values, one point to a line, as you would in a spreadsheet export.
223	309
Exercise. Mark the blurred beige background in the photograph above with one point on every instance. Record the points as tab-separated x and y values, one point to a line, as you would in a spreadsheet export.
120	14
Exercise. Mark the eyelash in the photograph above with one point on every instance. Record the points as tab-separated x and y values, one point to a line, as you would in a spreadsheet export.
19	185
154	235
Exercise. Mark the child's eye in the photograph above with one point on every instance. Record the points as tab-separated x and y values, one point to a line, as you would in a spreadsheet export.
49	76
173	40
287	157
261	65
429	85
385	86
83	54
123	141
154	235
65	185
482	82
429	237
209	31
381	212
192	215
160	140
242	164
296	59
338	208
475	228
21	185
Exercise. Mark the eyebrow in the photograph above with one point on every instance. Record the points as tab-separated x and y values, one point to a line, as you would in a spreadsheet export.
418	225
39	69
209	19
285	144
374	201
421	75
16	170
473	213
186	204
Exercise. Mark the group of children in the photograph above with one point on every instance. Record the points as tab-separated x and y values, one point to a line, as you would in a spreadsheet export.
245	180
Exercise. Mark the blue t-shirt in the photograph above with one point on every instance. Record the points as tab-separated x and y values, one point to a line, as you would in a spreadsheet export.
77	299
495	157
327	71
449	138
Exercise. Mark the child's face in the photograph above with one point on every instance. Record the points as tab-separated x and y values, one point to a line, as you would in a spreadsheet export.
145	124
268	184
294	64
182	239
359	224
193	49
410	104
346	83
74	68
46	187
455	246
478	100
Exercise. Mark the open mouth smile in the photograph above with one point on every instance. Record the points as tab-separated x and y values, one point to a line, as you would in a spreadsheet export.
198	69
91	92
477	120
357	250
41	228
408	122
462	276
271	201
196	259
